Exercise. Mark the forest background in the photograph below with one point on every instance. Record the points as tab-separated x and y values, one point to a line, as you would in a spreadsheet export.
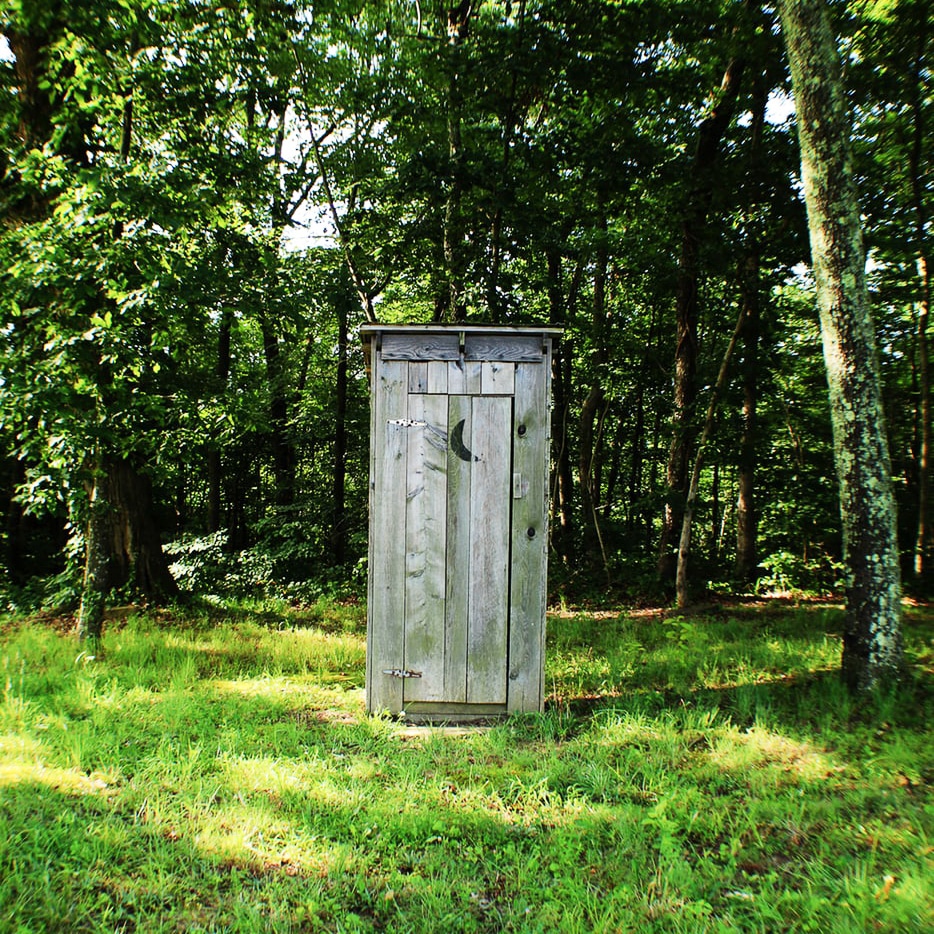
201	202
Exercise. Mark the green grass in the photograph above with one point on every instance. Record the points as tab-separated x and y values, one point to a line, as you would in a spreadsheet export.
215	771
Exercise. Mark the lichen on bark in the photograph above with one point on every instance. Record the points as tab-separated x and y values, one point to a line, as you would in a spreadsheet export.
872	649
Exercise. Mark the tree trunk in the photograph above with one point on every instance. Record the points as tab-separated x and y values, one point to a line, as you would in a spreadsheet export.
924	541
283	451
122	546
562	530
458	23
214	458
238	488
138	560
494	301
616	467
338	488
917	165
682	586
98	573
593	403
637	455
702	184
747	521
714	512
872	642
638	516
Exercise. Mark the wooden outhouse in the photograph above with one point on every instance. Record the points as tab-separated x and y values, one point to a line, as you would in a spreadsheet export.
459	458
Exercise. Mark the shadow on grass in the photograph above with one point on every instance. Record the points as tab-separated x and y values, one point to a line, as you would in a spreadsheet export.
327	614
775	659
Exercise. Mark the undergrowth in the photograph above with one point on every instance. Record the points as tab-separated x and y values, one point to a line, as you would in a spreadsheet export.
215	771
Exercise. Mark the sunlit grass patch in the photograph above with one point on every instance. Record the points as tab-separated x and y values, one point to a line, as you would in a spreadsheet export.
69	781
759	748
254	836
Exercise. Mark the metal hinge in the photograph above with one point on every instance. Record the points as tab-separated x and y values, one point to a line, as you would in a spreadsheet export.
407	422
401	673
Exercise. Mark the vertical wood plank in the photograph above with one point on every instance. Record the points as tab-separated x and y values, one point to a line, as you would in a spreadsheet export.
489	549
458	552
472	377
497	378
373	373
530	439
438	376
425	536
457	378
418	377
386	606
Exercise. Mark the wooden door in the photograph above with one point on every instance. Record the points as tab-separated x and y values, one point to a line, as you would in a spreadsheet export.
457	540
458	522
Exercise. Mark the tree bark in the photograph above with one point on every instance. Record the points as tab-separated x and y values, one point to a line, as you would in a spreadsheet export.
622	432
283	451
747	520
562	530
747	523
339	480
638	516
924	540
872	641
637	454
215	466
122	546
682	586
702	183
593	403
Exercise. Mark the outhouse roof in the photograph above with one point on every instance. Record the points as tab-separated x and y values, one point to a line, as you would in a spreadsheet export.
448	341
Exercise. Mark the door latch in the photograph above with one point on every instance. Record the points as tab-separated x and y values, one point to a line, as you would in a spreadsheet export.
401	673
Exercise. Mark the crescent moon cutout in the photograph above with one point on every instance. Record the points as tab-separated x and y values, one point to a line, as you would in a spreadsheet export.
457	443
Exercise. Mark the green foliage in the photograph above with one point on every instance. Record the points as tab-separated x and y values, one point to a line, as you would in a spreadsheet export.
206	565
277	567
216	771
786	572
172	287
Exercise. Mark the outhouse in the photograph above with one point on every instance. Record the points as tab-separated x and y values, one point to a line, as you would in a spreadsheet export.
459	458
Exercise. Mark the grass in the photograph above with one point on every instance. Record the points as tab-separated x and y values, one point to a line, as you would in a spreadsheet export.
215	771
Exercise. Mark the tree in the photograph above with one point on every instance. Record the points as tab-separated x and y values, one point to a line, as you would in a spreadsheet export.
79	387
872	645
702	185
562	160
889	45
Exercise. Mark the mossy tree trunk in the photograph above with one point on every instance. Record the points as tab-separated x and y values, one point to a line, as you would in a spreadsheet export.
872	644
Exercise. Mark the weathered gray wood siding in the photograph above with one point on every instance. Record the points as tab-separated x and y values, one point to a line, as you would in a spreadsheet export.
460	438
385	629
531	440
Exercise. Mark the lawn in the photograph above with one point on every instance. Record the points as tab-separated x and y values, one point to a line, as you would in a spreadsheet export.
214	770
